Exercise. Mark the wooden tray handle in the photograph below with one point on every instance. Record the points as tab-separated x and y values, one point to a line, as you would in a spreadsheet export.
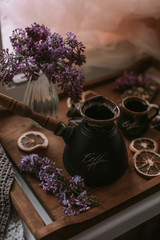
21	109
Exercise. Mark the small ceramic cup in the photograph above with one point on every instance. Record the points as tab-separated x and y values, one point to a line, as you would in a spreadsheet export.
136	115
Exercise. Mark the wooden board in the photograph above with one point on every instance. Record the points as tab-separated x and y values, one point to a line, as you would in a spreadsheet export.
114	197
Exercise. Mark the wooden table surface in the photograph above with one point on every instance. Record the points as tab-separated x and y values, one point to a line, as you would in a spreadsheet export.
114	197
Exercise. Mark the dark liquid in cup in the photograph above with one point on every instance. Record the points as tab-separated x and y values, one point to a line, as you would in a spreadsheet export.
99	113
136	105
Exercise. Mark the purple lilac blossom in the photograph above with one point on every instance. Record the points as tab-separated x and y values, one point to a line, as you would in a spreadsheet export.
71	194
31	164
129	79
36	49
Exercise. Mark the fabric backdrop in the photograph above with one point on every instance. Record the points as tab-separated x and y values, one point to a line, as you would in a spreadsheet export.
115	33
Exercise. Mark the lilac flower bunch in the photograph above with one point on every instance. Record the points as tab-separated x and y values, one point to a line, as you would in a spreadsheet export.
129	79
37	50
72	194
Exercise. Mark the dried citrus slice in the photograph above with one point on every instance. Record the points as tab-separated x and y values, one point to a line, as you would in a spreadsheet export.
143	144
147	163
32	140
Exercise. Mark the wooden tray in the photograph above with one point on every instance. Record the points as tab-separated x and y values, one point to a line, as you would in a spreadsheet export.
127	190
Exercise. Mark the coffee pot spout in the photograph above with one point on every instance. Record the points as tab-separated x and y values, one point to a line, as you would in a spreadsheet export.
65	132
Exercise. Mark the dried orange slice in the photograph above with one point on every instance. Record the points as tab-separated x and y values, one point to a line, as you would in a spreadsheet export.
143	143
147	163
32	140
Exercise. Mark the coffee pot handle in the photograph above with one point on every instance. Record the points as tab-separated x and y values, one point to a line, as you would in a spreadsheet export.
24	111
154	108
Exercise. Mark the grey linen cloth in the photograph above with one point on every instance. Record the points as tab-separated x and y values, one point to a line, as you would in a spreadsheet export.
7	176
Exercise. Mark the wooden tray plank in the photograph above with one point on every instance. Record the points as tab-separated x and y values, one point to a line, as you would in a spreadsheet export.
21	203
110	196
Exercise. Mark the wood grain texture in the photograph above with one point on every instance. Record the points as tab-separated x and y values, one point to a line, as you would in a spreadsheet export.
23	110
114	197
26	209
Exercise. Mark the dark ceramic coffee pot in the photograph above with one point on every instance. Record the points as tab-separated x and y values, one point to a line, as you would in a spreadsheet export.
95	149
